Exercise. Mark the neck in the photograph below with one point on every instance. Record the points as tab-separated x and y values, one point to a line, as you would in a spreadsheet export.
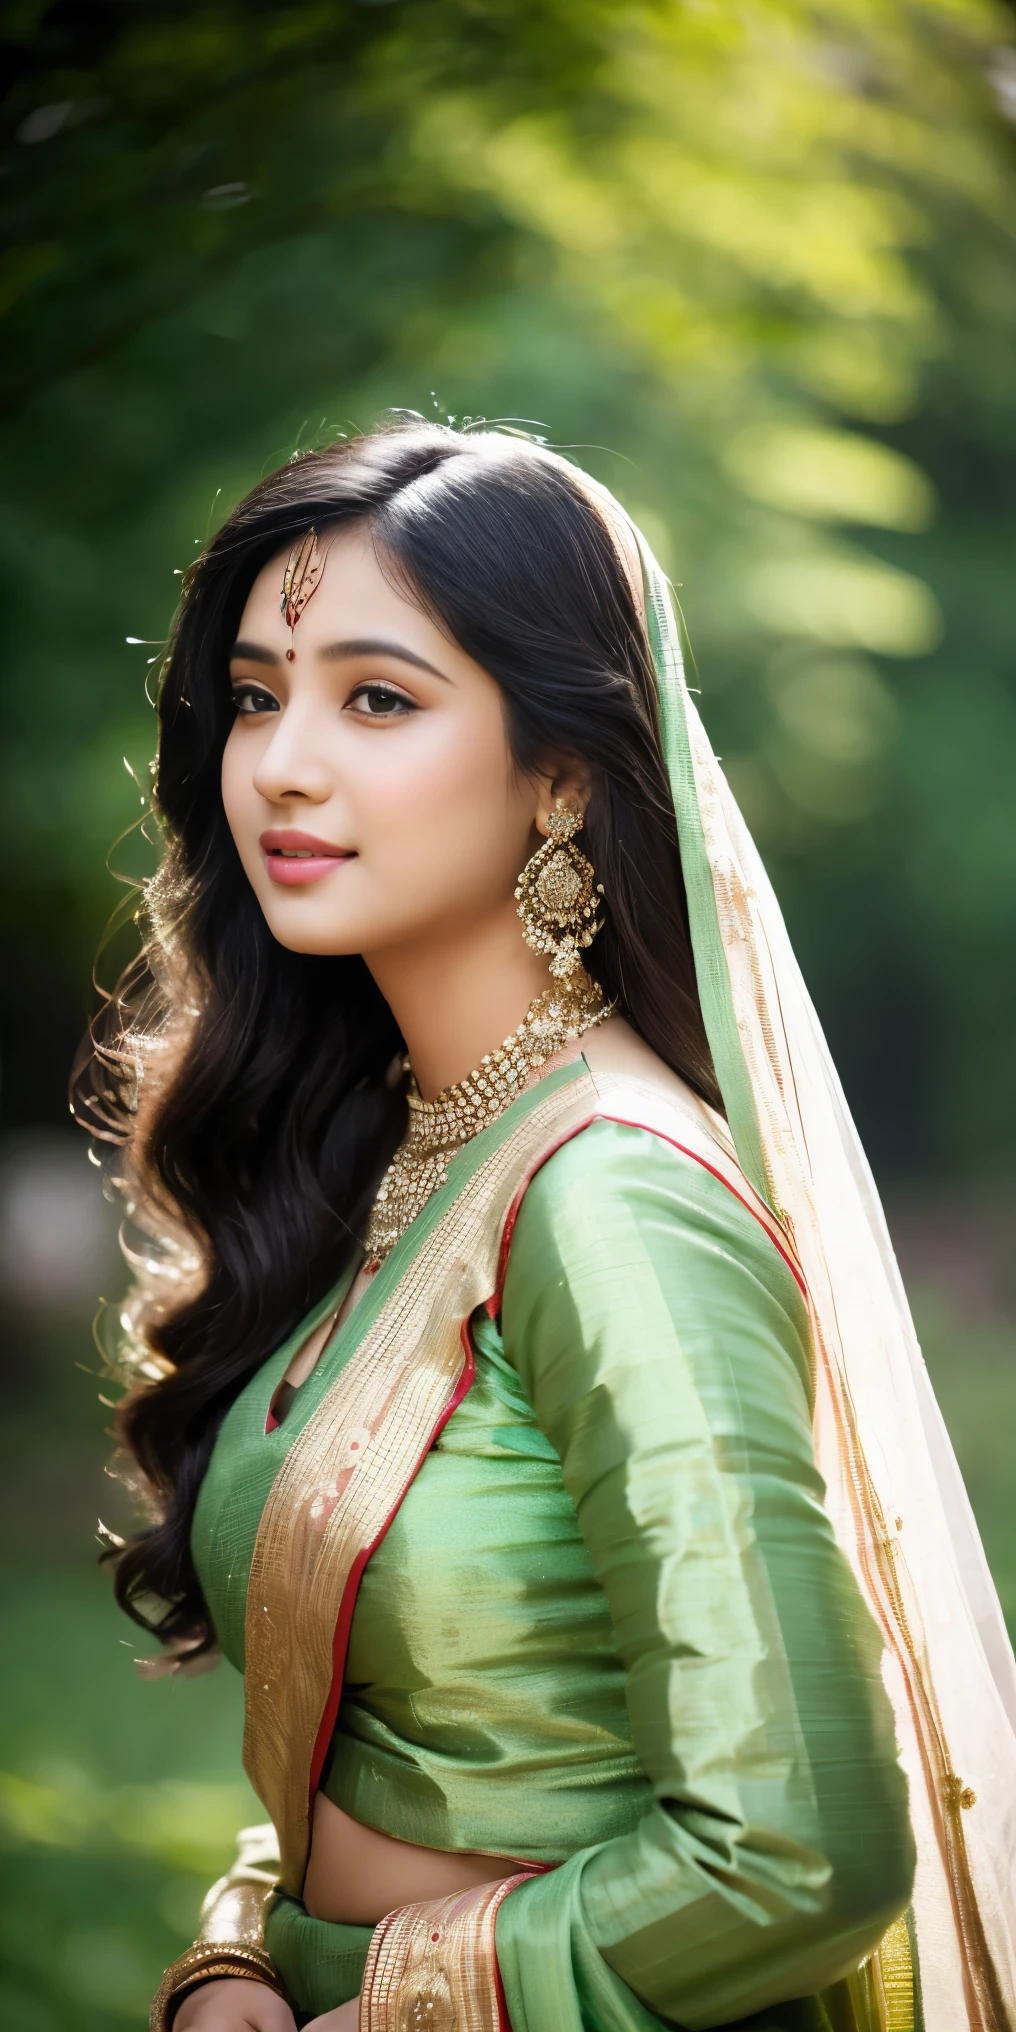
456	999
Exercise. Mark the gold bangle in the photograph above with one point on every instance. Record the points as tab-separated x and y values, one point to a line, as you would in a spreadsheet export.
205	1962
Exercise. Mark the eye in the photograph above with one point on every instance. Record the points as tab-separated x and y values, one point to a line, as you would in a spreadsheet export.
379	702
252	698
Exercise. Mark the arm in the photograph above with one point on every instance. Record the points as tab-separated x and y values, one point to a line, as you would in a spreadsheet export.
663	1344
227	1982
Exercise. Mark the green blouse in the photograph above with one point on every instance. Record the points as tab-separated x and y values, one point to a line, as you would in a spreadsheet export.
609	1627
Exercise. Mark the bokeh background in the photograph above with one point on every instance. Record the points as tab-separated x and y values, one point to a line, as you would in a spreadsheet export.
754	260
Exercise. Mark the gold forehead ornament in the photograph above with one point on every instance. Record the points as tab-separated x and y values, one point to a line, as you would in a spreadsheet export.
301	580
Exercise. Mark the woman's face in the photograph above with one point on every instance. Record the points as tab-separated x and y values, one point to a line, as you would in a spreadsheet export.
368	782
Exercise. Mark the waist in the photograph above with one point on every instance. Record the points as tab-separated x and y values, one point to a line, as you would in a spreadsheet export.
357	1874
471	1774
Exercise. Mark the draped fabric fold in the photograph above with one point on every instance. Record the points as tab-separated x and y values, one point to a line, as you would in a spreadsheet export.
789	1154
316	1528
347	1473
895	1492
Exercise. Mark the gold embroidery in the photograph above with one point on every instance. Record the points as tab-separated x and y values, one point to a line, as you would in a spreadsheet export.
959	1794
876	1555
346	1473
896	1969
433	1967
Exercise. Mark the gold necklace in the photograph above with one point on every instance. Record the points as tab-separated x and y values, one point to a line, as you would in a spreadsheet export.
436	1129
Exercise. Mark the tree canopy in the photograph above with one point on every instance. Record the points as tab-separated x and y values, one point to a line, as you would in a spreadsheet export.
754	263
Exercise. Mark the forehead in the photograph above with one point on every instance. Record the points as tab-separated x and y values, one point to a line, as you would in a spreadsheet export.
354	600
350	581
350	592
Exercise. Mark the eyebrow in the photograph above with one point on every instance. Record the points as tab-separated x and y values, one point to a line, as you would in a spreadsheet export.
368	645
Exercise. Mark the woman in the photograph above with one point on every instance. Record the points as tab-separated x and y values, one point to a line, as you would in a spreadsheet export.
520	1288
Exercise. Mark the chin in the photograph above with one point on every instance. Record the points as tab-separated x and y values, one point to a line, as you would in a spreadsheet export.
299	926
305	939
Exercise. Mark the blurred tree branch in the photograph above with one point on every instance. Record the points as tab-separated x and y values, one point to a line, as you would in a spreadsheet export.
729	186
765	251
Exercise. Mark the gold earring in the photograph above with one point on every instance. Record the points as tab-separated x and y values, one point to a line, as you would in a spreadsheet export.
557	894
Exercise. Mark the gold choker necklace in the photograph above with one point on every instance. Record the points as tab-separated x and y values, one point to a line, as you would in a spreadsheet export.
438	1128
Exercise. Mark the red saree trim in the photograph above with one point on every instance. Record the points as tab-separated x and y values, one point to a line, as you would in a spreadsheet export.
492	1306
435	1962
494	1303
332	1503
344	1619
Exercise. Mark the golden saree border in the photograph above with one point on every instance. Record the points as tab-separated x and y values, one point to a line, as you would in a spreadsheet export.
816	1180
343	1481
345	1475
435	1965
882	1994
688	1126
880	1559
895	1963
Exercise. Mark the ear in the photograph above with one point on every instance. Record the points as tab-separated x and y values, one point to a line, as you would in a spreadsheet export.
568	780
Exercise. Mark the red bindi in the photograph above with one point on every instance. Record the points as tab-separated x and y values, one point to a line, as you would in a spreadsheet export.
291	656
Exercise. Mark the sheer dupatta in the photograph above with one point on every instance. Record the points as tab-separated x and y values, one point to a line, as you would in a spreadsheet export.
895	1493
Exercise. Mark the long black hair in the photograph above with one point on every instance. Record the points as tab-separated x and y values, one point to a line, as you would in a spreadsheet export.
251	1085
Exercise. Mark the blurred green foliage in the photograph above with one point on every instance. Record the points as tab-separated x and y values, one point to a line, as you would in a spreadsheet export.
120	1800
119	1805
755	264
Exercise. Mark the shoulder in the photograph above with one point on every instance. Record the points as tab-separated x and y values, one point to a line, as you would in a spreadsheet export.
630	1254
646	1203
652	1156
618	1181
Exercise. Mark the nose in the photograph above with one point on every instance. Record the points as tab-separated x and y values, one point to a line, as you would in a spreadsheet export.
292	764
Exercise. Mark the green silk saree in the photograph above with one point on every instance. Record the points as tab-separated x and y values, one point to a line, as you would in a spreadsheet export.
618	1530
538	1564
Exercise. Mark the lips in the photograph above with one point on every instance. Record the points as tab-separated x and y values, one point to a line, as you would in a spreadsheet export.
293	858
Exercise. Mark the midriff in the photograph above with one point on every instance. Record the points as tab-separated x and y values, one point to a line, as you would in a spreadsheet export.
356	1875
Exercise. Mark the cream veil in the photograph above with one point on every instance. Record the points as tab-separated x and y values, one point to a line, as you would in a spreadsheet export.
895	1493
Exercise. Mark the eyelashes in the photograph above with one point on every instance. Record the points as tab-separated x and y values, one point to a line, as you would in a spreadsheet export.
368	701
381	702
252	698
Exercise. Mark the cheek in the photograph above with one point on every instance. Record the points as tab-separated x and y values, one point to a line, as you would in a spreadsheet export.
454	763
238	797
450	796
441	815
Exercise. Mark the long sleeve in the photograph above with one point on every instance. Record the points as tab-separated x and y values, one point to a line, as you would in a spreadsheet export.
662	1342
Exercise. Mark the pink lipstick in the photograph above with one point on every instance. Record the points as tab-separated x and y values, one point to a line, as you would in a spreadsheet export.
293	858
